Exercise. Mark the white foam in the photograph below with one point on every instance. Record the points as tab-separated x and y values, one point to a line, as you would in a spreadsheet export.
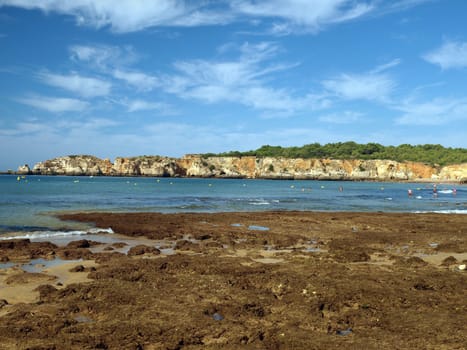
56	234
260	203
445	191
447	211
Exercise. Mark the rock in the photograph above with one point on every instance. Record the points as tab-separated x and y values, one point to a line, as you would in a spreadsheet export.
83	243
24	170
3	303
143	249
414	261
450	260
78	268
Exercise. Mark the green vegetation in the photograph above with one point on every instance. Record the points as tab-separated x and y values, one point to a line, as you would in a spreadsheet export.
430	154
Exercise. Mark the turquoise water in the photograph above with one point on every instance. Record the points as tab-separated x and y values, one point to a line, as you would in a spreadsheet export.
26	205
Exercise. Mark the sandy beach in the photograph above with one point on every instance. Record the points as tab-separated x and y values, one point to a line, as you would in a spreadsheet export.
269	280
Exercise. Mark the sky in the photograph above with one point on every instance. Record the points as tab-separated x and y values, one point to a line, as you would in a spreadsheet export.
174	77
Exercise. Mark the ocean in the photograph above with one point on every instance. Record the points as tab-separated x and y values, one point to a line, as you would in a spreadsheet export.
28	204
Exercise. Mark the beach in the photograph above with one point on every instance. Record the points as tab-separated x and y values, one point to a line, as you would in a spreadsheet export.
255	280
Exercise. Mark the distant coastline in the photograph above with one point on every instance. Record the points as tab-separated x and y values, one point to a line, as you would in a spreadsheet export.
249	167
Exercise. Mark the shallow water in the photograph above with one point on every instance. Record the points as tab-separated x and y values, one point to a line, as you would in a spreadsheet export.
27	206
37	265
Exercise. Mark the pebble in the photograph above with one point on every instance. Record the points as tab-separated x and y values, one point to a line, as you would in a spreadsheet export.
217	317
344	331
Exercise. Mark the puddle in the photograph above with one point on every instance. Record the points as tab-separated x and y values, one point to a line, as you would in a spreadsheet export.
38	265
236	225
6	265
258	228
312	250
344	332
268	260
83	319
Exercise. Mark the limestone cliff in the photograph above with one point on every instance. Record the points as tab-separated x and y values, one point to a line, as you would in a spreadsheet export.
250	167
73	165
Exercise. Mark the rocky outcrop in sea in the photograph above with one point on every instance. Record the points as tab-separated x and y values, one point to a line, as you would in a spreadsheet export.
248	167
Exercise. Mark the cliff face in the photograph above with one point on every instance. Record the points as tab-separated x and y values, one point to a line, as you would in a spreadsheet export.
250	167
73	165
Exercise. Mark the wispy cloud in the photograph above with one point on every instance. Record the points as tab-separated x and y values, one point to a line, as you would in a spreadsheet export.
302	15
367	86
434	112
129	15
54	104
385	66
138	105
139	80
245	80
374	85
83	86
103	57
451	55
287	16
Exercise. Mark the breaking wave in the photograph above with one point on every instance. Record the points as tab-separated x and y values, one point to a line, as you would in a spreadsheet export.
52	234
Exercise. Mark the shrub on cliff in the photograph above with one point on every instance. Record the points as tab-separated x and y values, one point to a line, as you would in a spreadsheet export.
430	154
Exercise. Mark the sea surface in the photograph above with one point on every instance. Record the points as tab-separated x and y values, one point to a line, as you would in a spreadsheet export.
27	204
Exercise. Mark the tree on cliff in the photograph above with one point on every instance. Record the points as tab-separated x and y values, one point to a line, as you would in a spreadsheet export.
430	154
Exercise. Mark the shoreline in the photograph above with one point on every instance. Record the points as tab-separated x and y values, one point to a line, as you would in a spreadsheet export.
285	178
276	280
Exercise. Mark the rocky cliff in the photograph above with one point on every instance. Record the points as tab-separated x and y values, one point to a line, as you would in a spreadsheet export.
249	167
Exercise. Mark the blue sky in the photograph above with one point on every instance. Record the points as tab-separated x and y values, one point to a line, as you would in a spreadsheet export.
175	77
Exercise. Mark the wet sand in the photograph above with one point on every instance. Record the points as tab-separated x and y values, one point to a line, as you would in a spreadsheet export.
273	280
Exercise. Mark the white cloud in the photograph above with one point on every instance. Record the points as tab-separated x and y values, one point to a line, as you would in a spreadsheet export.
385	66
374	85
435	112
54	104
83	86
143	105
141	81
450	55
103	56
290	16
245	81
129	15
367	86
309	15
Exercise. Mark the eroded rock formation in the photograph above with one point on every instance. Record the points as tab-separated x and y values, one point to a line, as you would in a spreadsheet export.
249	167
